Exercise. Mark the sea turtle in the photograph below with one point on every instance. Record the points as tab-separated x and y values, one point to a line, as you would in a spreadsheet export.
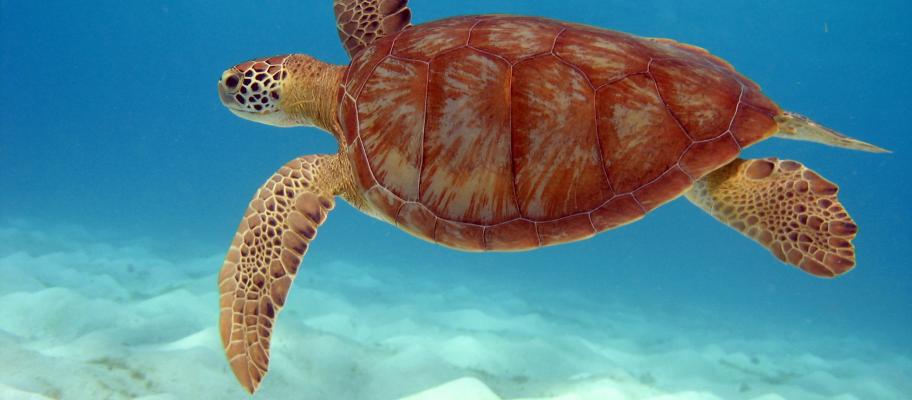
508	133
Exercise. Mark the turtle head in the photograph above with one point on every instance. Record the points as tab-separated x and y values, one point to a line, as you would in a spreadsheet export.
284	91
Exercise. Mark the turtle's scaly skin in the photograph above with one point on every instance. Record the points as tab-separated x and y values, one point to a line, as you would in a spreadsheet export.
360	22
786	207
510	133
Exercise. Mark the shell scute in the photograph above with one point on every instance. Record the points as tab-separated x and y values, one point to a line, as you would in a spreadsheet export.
363	65
467	139
700	97
348	118
424	42
662	190
640	138
668	48
514	38
603	55
515	235
569	229
416	219
385	201
550	96
704	157
460	235
363	175
619	211
391	114
752	125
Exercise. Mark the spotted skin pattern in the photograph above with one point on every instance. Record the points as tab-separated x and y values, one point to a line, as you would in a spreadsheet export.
256	83
509	133
787	208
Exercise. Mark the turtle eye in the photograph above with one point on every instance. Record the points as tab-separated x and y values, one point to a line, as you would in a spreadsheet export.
232	82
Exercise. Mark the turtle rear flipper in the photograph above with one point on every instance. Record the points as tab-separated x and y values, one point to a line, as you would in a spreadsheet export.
798	127
787	208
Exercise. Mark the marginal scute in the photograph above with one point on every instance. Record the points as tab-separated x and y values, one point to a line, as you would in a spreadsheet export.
424	42
702	158
703	99
348	118
619	211
604	56
417	220
669	48
460	235
363	65
514	38
512	236
577	227
668	187
385	202
754	98
363	175
751	126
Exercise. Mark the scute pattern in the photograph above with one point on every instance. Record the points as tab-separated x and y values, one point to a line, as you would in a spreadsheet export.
514	38
550	96
392	135
604	56
537	132
424	42
704	100
639	138
466	132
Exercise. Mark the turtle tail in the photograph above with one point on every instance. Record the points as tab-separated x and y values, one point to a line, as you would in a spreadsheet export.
798	127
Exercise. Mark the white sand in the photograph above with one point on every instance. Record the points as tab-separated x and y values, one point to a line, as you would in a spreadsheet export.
87	320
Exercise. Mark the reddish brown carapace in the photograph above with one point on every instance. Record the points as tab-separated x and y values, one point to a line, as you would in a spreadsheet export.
510	133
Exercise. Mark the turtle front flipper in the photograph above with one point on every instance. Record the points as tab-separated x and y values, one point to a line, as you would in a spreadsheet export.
361	22
786	207
261	264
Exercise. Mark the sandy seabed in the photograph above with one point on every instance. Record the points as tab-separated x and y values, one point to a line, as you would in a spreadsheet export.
84	319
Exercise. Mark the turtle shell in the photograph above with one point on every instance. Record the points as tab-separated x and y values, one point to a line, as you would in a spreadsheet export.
511	133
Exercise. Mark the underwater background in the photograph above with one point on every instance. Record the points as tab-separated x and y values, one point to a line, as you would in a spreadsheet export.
123	178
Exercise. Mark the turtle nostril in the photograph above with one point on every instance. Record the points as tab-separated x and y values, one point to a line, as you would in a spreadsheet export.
232	82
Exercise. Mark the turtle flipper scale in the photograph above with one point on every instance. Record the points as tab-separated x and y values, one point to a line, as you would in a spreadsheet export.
361	22
787	208
261	264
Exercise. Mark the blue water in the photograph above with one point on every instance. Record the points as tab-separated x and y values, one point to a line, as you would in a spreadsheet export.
110	122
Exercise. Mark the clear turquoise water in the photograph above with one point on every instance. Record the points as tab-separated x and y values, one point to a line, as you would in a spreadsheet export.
110	126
